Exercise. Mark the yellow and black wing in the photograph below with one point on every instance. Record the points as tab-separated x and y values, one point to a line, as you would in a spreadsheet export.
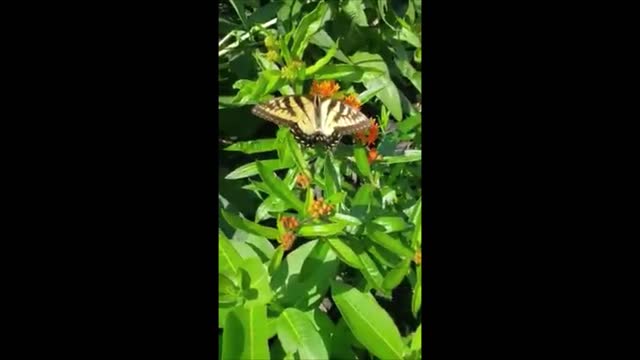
338	118
297	112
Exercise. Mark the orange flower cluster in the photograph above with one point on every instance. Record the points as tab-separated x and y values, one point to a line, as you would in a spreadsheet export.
319	208
324	88
417	258
368	138
289	222
287	240
352	100
303	181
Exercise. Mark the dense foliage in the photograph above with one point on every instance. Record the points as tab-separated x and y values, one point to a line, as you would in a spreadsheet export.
320	252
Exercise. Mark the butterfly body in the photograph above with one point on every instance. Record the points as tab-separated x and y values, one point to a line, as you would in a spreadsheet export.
313	120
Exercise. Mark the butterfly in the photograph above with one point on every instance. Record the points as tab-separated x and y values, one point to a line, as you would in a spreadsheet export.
313	120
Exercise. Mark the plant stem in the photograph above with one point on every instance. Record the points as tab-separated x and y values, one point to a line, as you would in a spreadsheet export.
243	37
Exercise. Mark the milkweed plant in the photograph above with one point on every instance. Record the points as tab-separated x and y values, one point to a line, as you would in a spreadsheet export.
320	252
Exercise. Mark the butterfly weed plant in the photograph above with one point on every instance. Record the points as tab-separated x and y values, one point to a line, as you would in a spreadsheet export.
320	244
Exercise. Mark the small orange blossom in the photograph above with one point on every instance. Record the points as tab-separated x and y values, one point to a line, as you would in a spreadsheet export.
324	88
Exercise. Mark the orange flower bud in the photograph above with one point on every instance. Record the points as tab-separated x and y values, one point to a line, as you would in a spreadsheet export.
289	222
417	258
287	240
372	155
302	180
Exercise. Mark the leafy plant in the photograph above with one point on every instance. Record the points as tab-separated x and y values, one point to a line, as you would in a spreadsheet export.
319	251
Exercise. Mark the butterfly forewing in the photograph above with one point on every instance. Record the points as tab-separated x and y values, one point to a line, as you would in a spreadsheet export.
287	110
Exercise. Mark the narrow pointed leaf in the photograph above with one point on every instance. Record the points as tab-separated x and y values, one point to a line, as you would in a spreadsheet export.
245	334
297	332
388	242
344	252
396	275
249	226
229	258
279	188
369	322
321	230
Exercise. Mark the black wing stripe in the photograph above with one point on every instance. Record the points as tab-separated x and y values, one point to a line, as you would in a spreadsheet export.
298	101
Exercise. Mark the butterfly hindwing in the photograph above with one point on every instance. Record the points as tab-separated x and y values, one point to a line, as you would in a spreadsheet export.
341	118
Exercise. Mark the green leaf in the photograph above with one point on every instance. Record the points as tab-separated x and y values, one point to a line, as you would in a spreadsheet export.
316	256
406	34
223	311
416	340
361	202
344	252
395	276
388	242
297	332
342	342
249	226
259	281
245	334
370	271
238	6
289	10
368	321
416	219
227	291
230	260
383	256
331	178
253	146
409	123
309	25
392	223
245	251
322	40
276	259
362	161
298	157
279	188
408	156
251	169
304	294
270	204
416	299
308	201
348	219
355	10
262	246
323	324
321	230
382	11
339	72
368	94
264	13
403	62
389	95
322	62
